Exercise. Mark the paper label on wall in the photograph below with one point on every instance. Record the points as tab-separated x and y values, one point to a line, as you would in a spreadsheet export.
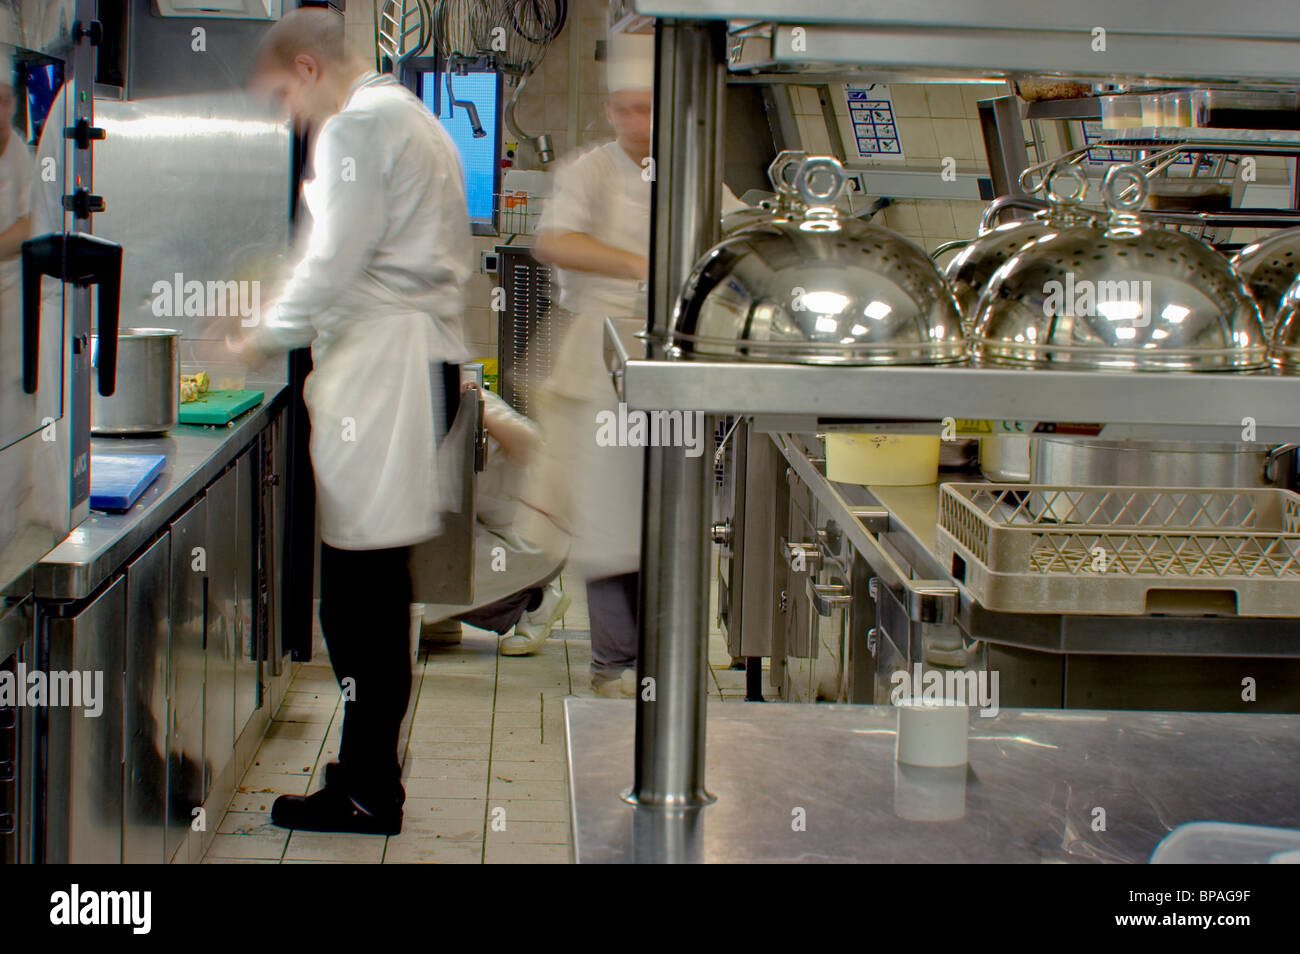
873	129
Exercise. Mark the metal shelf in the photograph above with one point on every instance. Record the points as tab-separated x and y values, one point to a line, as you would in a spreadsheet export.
1260	18
1210	404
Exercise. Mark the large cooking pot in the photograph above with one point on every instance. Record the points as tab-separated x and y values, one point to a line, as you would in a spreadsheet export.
1080	462
147	399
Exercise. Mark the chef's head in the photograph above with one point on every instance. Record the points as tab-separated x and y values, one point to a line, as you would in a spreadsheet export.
630	78
303	64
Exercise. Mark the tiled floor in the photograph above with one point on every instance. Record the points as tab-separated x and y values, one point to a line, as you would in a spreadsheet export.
484	759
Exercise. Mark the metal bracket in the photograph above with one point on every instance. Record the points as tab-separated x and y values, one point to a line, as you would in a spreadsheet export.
615	357
826	597
809	553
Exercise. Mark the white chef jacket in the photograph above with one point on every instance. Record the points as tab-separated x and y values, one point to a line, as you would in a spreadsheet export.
379	296
16	166
595	491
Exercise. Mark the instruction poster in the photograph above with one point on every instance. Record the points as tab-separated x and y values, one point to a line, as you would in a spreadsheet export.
871	118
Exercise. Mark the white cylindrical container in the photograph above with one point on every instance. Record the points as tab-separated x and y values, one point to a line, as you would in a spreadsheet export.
931	733
929	794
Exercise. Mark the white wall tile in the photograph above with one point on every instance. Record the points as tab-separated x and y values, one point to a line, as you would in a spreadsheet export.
918	138
909	100
936	217
952	138
945	101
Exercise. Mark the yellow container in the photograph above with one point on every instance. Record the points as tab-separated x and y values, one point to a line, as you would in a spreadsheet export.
887	460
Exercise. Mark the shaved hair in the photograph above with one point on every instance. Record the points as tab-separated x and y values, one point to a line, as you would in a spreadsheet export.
313	31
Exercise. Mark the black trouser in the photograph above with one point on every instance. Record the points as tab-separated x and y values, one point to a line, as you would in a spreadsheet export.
365	615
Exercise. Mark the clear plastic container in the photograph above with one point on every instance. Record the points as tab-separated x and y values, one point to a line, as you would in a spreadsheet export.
1246	109
1152	109
1176	109
1121	112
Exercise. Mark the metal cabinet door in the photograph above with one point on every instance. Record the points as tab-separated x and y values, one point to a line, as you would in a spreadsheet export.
147	597
84	752
246	606
273	487
185	770
219	682
17	736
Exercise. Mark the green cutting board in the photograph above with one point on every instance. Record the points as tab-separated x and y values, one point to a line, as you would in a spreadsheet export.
220	407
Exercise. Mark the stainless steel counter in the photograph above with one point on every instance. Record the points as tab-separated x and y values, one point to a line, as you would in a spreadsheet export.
195	455
1031	792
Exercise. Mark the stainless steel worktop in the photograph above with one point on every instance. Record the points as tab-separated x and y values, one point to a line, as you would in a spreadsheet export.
1031	791
195	455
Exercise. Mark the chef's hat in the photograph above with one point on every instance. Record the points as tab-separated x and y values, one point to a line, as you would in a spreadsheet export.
631	62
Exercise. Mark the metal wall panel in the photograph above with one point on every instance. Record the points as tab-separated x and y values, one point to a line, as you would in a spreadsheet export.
224	160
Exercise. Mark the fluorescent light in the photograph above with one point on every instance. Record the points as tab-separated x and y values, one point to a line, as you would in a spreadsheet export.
1120	311
877	310
824	302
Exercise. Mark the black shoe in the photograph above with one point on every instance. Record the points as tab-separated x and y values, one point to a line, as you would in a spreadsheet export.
330	810
336	777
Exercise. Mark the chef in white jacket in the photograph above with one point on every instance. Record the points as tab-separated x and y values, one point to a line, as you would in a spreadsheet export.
595	230
378	294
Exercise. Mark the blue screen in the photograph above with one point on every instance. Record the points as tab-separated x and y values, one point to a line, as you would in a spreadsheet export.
478	157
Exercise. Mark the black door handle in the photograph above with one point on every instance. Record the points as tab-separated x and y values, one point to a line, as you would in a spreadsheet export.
81	260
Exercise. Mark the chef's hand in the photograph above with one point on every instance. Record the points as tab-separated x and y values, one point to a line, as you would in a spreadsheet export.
639	267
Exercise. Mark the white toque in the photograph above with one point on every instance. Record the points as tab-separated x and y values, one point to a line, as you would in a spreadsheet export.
631	62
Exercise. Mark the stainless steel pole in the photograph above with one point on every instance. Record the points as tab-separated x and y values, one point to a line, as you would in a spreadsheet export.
673	658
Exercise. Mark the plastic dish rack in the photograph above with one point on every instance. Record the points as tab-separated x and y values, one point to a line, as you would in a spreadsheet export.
1030	548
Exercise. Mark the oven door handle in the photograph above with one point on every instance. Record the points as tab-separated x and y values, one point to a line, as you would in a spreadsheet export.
82	260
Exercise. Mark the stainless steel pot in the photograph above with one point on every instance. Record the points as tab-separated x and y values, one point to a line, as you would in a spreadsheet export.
147	399
1088	463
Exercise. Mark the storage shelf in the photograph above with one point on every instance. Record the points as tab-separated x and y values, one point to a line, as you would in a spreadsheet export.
1213	405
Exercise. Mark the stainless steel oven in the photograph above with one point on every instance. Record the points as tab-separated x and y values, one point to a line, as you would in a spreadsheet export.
45	292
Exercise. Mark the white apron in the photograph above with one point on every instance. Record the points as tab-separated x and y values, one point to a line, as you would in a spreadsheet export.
594	492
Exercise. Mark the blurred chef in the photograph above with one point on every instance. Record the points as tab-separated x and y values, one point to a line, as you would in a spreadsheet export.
378	294
596	231
16	167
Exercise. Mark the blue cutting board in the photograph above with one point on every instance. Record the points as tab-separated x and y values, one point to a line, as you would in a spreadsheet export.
117	481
